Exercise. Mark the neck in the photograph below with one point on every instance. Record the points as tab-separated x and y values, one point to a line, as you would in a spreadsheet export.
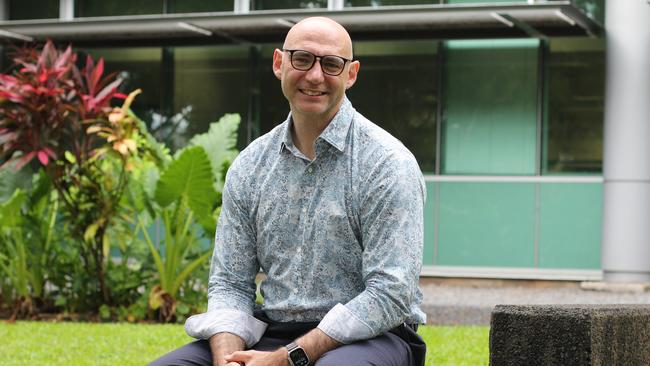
305	132
307	128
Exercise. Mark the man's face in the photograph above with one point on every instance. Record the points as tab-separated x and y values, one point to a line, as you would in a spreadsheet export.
313	94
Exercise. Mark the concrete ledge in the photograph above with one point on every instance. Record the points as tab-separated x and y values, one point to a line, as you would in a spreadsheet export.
577	335
626	287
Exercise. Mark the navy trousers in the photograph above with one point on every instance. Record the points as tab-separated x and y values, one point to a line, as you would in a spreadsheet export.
399	347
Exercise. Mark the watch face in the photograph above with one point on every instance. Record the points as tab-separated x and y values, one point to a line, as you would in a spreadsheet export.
299	357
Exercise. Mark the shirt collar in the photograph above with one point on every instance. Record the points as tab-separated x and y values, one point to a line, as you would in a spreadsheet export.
335	133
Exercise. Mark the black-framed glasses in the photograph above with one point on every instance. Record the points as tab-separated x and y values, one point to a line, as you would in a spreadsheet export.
304	60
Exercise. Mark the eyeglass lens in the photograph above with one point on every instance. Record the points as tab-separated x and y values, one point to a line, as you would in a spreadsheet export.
303	60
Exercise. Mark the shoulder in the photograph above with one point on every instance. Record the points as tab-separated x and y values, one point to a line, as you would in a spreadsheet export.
380	149
258	151
245	171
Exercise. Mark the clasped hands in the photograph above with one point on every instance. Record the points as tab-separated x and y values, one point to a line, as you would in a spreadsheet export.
258	358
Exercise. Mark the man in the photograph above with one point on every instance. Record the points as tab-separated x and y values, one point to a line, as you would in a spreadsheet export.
330	207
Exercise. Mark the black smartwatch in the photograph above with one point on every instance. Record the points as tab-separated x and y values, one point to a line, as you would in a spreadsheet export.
297	355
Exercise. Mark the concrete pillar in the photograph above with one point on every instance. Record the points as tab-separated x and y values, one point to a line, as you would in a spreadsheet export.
626	221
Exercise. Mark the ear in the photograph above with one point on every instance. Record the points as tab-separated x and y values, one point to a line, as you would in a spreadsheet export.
353	71
277	63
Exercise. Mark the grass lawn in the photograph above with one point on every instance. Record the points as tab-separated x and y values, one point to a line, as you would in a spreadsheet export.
80	344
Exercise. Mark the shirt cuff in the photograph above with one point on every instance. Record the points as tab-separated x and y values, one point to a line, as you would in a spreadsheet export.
246	326
342	325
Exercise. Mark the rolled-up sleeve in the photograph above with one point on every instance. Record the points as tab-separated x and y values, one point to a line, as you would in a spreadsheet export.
231	287
391	220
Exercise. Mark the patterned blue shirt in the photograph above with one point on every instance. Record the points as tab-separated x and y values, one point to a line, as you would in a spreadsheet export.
339	238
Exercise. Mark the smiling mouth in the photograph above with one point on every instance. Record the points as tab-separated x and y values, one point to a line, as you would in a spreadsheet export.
312	93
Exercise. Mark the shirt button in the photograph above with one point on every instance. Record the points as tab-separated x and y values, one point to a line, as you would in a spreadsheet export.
295	290
299	250
304	210
310	169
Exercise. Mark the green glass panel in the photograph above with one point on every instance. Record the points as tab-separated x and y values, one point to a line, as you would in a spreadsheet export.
573	128
397	89
287	4
486	224
570	225
33	9
193	6
489	111
94	8
429	254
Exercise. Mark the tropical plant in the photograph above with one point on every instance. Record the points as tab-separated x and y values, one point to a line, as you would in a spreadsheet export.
27	222
59	116
187	198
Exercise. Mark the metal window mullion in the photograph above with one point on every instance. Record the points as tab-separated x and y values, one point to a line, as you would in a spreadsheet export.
335	4
440	96
242	6
66	9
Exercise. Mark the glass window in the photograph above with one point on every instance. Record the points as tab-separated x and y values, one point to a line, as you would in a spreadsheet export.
94	8
192	6
139	68
208	83
287	4
184	89
397	89
482	1
490	107
33	9
573	128
595	9
376	3
274	107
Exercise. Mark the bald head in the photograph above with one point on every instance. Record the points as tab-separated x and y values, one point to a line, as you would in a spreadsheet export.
320	30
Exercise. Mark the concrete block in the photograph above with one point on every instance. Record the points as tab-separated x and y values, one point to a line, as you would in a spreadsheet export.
576	335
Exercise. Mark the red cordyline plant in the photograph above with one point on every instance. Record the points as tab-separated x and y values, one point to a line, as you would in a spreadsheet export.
59	117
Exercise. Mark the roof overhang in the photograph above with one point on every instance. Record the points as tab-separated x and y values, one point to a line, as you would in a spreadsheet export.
505	20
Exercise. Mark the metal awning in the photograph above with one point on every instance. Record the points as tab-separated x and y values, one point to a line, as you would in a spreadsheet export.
505	20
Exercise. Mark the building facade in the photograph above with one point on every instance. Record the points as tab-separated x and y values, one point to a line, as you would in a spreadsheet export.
501	102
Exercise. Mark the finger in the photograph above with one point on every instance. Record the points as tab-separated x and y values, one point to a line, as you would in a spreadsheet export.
240	356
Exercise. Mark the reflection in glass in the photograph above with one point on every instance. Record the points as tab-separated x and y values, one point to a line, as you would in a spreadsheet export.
573	131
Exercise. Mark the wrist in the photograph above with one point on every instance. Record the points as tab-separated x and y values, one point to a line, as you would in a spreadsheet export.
283	355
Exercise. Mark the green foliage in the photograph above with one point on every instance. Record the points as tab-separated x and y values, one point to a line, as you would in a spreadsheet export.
220	144
188	180
27	222
77	237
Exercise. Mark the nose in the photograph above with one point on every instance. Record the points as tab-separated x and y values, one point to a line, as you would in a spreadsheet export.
315	74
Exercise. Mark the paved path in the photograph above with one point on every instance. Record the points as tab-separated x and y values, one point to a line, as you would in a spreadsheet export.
470	303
